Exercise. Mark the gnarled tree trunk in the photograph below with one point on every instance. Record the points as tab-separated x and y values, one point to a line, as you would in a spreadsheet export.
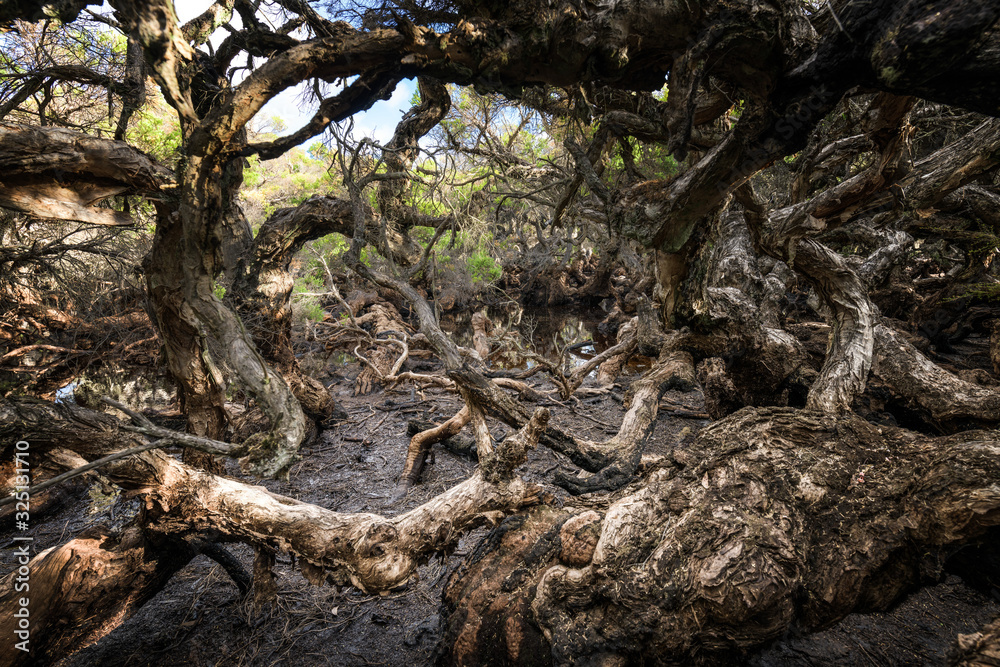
773	518
82	590
261	291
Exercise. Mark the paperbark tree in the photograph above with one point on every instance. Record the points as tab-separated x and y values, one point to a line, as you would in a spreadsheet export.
774	517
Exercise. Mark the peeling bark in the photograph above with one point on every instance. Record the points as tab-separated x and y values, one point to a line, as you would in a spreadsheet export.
82	590
945	399
979	649
621	453
365	550
736	304
420	445
59	174
852	339
773	519
203	390
262	286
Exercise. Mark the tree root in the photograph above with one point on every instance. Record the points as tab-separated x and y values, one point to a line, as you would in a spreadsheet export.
82	590
232	565
980	649
947	400
366	550
623	452
420	445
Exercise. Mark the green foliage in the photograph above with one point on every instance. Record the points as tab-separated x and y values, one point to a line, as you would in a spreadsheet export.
422	235
285	181
307	303
483	268
219	291
319	151
331	246
367	254
155	130
984	291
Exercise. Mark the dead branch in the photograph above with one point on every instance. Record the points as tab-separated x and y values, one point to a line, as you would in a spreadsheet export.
420	445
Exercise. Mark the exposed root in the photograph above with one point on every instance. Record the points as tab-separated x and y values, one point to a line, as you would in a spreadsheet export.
612	366
771	518
82	590
380	362
480	341
420	445
623	452
946	399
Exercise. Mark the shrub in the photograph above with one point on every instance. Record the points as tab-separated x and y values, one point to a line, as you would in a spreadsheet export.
483	268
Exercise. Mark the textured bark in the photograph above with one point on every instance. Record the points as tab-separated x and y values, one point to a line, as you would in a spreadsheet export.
202	387
479	390
488	600
721	395
193	238
980	649
133	88
261	291
772	515
366	550
738	304
951	167
753	45
386	324
82	590
420	445
611	368
30	10
773	518
995	346
944	399
849	356
26	150
181	271
60	174
621	453
429	327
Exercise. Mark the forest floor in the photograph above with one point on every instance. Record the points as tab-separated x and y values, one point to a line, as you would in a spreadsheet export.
199	618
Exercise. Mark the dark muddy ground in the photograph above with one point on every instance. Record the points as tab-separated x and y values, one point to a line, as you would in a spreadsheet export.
199	618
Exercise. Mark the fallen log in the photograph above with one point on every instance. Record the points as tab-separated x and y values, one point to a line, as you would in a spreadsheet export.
81	591
420	445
